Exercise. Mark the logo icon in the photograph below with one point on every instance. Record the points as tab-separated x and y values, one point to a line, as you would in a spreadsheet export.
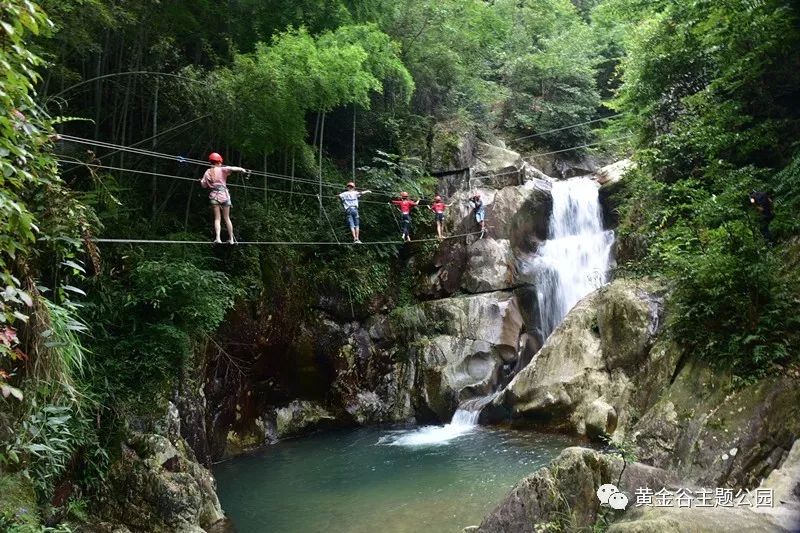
610	495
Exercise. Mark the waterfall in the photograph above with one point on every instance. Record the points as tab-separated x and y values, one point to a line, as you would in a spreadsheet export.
575	258
465	420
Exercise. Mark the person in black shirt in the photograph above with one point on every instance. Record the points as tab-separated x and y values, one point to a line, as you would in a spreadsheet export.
763	204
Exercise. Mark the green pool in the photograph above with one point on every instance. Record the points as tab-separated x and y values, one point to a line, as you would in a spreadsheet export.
369	480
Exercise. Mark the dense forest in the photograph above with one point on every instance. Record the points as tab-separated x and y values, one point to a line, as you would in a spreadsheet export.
107	106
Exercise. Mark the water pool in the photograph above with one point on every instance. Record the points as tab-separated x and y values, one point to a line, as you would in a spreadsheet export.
433	479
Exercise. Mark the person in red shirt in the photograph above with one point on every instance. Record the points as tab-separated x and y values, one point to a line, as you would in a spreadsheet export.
405	205
438	207
216	179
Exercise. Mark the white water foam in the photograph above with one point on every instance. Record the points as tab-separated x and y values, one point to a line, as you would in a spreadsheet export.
465	420
576	257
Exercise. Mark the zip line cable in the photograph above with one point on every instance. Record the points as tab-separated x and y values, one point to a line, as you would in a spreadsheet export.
567	127
181	159
578	147
285	177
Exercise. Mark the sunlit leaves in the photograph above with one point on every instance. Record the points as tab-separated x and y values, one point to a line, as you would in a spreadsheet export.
271	91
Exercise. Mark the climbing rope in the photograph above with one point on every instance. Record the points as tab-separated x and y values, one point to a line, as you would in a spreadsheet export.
182	159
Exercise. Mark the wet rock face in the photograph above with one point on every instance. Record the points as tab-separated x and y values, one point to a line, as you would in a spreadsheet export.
424	359
490	266
518	205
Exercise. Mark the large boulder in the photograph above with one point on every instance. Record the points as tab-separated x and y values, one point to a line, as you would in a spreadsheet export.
568	165
782	514
563	496
497	166
715	433
516	219
422	360
300	417
157	485
597	369
490	266
521	214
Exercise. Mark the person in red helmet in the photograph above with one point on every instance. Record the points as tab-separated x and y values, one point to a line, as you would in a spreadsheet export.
480	212
405	205
349	200
438	207
216	179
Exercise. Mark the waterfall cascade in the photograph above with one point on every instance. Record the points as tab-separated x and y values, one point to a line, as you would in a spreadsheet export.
464	420
576	257
570	264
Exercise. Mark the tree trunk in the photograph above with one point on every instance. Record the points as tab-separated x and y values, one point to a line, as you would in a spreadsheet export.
316	131
265	180
354	145
321	141
153	147
291	183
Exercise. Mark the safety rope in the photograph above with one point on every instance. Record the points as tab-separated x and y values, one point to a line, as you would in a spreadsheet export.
567	127
195	180
578	147
182	159
325	212
394	215
276	243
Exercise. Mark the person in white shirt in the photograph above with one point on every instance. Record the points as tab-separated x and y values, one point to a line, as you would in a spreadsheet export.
350	204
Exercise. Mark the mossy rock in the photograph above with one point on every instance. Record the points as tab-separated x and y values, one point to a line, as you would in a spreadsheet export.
18	506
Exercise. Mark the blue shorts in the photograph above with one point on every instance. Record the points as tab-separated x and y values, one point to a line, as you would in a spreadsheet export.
439	217
480	215
352	217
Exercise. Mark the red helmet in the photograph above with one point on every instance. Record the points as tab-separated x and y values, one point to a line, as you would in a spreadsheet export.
350	184
214	157
403	194
437	198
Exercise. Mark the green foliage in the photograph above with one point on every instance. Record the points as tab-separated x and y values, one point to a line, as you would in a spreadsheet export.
146	329
554	84
23	165
710	106
270	91
180	294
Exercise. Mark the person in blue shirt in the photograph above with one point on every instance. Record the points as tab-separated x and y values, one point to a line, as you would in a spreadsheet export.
349	200
480	212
